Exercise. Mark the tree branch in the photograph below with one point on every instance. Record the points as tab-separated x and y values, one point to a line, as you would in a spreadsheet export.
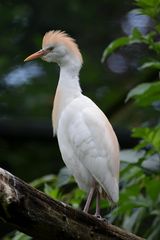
41	217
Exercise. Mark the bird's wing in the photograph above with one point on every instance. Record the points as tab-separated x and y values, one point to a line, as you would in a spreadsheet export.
95	144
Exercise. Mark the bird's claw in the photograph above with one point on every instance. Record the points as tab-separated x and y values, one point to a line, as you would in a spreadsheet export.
99	217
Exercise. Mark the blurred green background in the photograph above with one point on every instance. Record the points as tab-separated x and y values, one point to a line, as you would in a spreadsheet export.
27	90
27	146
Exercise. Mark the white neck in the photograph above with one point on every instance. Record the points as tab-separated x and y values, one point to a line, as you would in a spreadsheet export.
67	90
69	78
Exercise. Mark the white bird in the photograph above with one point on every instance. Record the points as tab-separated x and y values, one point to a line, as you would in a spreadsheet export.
86	139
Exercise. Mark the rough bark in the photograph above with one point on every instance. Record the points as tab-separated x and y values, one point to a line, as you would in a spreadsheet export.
41	217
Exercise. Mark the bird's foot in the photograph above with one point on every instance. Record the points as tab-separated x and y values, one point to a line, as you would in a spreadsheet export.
99	217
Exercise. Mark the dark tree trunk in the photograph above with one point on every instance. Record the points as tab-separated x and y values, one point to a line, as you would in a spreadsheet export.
41	217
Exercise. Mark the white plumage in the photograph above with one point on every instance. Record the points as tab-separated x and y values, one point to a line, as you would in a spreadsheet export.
87	142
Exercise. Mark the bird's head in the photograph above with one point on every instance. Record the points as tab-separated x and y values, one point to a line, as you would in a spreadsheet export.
58	47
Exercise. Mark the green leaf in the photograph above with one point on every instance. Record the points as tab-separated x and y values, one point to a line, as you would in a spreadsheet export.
149	7
152	163
152	188
131	156
42	180
132	221
151	64
52	192
154	231
135	37
142	201
150	136
131	175
116	44
21	236
145	94
77	197
138	90
140	132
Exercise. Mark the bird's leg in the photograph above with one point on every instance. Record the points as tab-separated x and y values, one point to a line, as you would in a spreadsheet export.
97	213
89	199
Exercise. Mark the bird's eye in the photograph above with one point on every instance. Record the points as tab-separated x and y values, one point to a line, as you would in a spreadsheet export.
50	48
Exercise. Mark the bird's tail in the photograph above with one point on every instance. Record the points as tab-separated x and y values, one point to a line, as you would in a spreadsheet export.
113	199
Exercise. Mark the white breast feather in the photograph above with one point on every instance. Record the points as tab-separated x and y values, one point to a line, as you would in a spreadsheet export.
92	148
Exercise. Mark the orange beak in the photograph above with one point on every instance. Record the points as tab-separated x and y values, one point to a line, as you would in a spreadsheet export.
35	55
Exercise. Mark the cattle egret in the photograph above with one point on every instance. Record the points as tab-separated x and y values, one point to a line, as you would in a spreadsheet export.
86	139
